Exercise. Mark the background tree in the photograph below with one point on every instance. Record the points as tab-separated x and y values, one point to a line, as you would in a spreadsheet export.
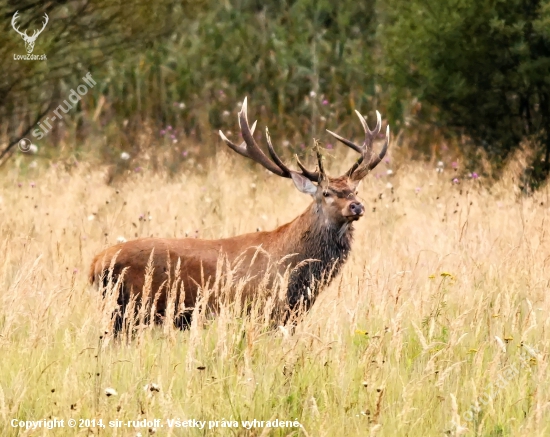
482	67
80	36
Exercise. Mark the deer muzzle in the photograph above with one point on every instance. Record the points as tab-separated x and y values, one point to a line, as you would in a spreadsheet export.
356	209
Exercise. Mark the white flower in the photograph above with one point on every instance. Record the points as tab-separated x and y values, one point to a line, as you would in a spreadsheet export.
125	156
389	186
284	331
121	239
110	392
312	94
91	217
151	387
286	143
500	343
440	164
389	172
226	113
33	148
182	105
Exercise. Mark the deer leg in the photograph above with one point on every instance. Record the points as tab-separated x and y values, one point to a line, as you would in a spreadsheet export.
122	303
183	320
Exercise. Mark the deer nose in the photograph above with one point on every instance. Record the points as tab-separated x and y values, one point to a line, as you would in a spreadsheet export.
357	208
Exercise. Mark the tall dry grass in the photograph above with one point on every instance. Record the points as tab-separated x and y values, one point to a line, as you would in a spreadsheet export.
445	283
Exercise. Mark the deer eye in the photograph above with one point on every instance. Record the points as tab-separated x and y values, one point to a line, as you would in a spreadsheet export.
326	193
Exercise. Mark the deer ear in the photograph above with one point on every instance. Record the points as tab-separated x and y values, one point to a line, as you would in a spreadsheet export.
303	184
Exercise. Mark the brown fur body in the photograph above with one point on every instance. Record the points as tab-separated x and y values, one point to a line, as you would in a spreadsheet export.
311	236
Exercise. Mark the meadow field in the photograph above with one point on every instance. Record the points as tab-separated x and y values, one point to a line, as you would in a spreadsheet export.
437	325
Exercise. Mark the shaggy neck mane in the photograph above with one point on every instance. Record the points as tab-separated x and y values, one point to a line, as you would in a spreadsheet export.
322	248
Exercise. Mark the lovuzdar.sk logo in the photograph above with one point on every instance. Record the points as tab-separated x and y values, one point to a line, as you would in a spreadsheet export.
29	40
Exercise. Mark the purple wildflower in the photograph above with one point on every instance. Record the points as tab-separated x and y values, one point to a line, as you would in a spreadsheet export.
330	146
417	190
325	102
475	175
162	132
456	181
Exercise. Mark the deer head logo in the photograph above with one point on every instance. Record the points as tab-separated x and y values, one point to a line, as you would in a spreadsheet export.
29	40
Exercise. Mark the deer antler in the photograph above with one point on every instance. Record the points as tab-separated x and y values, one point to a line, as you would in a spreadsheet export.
250	149
35	33
13	20
366	162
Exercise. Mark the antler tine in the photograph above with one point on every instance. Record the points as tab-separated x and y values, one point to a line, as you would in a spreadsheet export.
345	141
374	162
274	155
241	148
252	149
46	22
13	21
249	148
38	32
366	162
311	175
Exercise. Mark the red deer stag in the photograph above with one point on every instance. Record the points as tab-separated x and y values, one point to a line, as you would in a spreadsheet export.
323	232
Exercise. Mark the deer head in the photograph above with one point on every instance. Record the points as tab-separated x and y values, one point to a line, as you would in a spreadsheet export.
335	197
29	40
